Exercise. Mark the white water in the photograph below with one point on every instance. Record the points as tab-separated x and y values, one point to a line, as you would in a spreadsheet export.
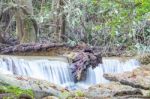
59	72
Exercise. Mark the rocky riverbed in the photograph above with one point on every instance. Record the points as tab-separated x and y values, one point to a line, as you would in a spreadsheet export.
126	85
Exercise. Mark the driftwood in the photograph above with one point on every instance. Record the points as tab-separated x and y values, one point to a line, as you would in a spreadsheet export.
40	88
37	49
82	61
26	48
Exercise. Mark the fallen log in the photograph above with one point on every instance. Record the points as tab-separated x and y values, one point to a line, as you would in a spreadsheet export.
48	49
33	49
82	61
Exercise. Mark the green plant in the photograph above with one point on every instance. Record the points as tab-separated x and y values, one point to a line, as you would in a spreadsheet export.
79	93
65	95
15	91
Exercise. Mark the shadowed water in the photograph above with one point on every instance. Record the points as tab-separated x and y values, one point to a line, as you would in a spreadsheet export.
59	72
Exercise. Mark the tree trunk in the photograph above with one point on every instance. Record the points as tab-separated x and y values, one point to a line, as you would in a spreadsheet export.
1	38
58	20
24	25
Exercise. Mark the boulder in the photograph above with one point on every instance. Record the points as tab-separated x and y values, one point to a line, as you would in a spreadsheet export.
50	97
40	88
113	90
138	78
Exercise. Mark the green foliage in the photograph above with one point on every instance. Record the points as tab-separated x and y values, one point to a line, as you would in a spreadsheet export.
143	8
15	90
79	93
108	22
97	22
69	95
65	95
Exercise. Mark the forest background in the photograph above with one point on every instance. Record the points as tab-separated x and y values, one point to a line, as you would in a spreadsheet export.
110	24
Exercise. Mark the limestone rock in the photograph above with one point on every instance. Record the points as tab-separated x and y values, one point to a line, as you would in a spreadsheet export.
40	88
80	98
50	97
139	78
111	90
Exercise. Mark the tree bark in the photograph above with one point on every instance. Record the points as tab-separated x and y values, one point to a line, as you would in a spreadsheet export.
24	25
1	38
58	20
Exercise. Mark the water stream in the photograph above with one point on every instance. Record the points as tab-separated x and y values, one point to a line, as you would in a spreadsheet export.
58	71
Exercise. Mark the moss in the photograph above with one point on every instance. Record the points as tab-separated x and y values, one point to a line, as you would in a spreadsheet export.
65	95
79	93
15	92
72	95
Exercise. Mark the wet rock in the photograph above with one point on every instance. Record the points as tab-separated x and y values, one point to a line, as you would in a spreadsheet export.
40	88
133	97
139	78
50	97
80	98
7	95
2	95
111	90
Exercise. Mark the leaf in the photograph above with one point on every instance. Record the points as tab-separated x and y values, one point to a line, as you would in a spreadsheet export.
148	30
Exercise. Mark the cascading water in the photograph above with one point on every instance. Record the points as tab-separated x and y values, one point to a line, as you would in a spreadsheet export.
110	66
54	71
58	72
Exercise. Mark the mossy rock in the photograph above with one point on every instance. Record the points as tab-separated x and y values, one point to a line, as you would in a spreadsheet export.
12	92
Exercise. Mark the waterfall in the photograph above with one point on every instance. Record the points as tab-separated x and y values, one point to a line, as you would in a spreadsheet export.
59	72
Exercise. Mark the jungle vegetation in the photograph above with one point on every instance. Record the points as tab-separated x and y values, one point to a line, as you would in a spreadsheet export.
105	23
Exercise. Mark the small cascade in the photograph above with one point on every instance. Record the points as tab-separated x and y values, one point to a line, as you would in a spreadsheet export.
110	66
95	76
55	71
59	72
